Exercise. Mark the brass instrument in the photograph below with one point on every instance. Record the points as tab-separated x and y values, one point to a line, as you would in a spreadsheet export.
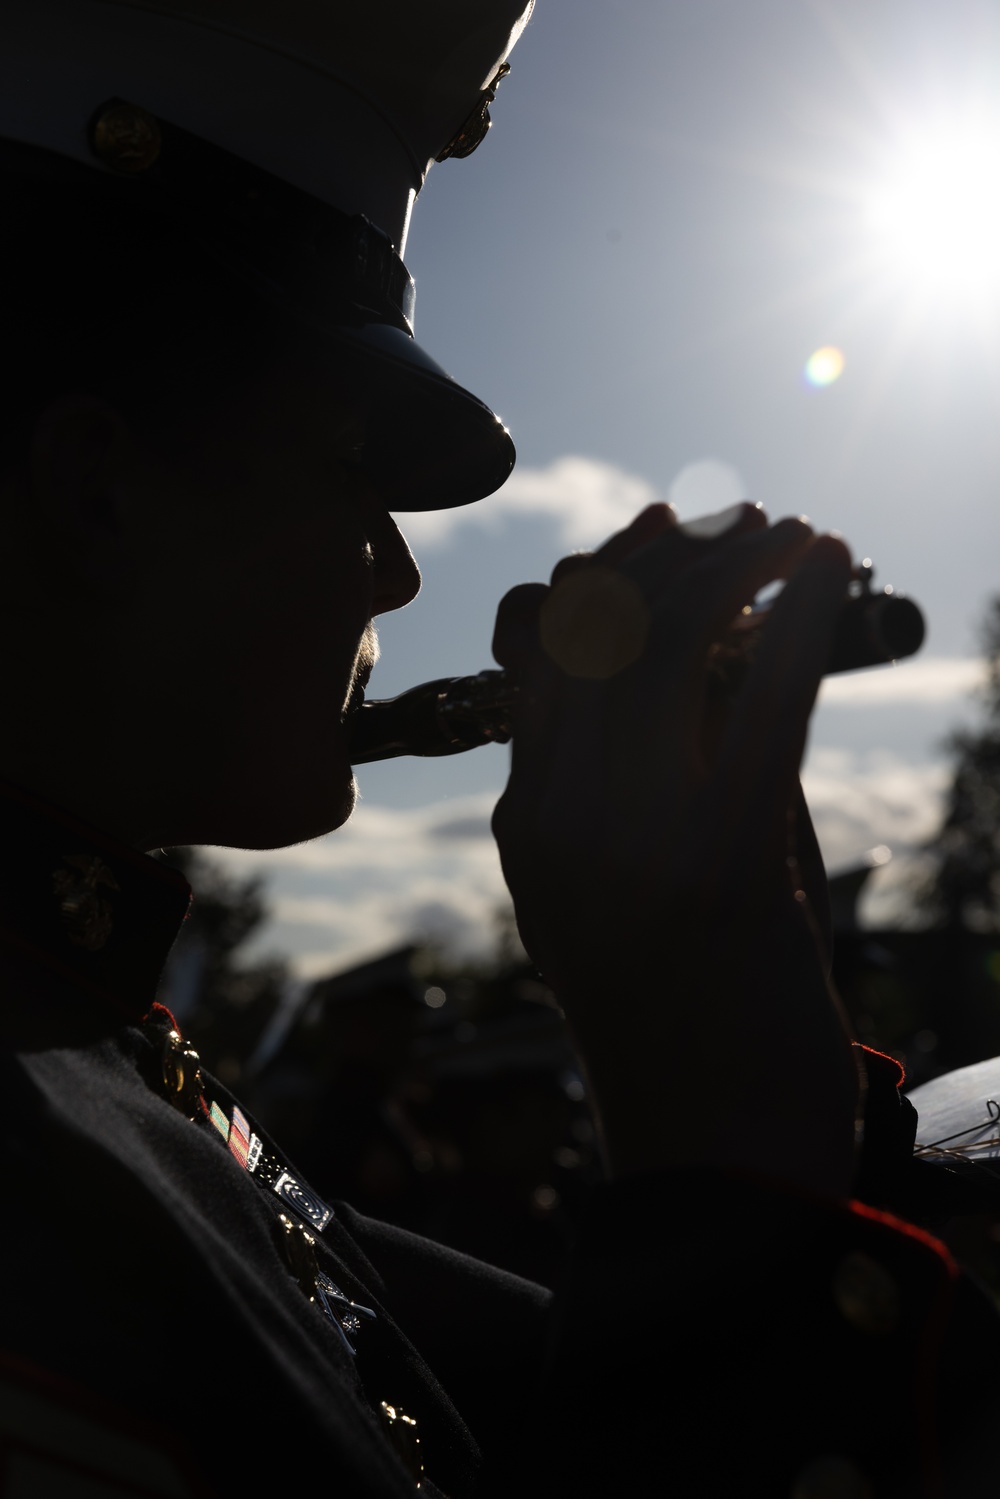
454	714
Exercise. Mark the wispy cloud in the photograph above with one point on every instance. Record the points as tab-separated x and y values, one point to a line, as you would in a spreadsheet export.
925	682
391	875
858	800
585	498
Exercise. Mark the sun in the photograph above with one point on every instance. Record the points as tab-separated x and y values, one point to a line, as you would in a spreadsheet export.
891	234
933	208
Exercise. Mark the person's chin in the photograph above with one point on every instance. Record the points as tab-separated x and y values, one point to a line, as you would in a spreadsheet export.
293	804
300	817
343	809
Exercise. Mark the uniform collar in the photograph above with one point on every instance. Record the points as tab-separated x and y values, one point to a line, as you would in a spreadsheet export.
87	908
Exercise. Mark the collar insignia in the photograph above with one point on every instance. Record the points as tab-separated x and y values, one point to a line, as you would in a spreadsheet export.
97	915
86	915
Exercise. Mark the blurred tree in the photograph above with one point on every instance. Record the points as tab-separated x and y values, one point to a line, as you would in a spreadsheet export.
931	995
221	1004
963	890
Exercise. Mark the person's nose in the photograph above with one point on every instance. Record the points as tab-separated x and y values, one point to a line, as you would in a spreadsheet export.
397	576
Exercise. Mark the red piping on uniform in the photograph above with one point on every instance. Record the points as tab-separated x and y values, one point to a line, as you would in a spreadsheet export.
900	1225
929	1344
926	1365
156	1011
873	1051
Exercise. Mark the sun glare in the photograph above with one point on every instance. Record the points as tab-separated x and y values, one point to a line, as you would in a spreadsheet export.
935	212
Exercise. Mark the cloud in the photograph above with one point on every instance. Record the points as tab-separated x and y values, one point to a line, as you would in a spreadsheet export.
927	682
396	875
585	498
868	799
389	877
858	800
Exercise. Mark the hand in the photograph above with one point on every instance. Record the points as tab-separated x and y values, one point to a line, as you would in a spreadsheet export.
648	837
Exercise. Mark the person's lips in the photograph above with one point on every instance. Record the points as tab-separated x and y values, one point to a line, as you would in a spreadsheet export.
357	696
364	665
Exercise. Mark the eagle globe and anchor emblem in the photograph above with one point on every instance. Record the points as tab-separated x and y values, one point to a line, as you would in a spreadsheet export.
79	885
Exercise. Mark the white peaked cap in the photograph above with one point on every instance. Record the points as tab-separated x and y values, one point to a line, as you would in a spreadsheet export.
347	103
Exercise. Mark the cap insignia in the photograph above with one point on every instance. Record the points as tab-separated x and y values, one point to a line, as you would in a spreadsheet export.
126	138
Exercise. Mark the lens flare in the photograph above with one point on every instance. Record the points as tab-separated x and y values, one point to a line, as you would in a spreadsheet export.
824	366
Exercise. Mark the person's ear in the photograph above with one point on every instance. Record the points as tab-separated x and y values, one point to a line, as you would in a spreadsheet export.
80	459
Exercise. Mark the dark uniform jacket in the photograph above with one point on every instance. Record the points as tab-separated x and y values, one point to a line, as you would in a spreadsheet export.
176	1324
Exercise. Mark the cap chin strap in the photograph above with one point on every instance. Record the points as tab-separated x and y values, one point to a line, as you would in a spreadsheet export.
330	269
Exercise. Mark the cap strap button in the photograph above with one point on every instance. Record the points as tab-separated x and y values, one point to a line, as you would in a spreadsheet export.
475	129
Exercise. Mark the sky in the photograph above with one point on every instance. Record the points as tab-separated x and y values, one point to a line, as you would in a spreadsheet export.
681	202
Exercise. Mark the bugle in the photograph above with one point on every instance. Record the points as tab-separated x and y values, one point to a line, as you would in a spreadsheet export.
453	714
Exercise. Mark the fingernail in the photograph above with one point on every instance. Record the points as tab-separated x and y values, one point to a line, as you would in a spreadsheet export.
708	527
657	509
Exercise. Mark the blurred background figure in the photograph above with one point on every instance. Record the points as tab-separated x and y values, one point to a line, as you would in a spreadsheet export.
445	1098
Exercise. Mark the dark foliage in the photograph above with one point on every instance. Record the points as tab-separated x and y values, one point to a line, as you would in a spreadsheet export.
964	889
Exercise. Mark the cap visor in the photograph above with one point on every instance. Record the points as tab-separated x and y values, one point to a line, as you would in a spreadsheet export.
429	443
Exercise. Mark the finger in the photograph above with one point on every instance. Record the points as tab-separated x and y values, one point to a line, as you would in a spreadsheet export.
539	684
538	707
756	764
515	634
662	557
596	622
596	628
571	564
767	731
647	525
655	521
593	623
697	611
745	515
707	598
796	643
